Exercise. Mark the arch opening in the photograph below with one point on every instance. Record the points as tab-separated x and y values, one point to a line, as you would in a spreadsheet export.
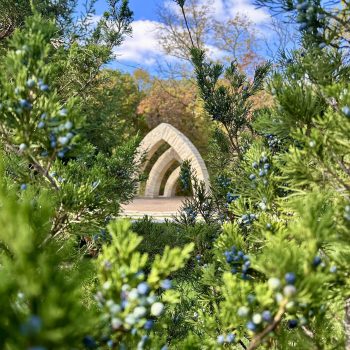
171	169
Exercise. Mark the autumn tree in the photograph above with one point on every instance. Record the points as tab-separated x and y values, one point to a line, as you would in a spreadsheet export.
199	26
222	39
175	102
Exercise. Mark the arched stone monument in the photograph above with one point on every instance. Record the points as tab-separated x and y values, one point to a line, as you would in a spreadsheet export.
181	149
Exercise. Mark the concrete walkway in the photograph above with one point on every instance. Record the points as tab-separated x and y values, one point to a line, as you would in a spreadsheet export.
158	208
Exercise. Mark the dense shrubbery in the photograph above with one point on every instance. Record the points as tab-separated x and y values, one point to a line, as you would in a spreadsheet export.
283	258
266	266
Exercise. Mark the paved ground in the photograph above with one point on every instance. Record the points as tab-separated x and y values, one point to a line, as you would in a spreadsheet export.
158	208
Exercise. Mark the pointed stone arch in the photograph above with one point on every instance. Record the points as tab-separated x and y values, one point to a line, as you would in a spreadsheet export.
160	167
181	149
171	184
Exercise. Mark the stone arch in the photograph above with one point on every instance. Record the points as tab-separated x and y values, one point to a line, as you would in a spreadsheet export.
170	186
183	147
160	167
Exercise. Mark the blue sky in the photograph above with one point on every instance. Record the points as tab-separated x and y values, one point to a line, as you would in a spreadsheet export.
131	56
142	50
143	9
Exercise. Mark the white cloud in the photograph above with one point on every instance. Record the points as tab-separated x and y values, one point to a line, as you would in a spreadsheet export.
214	52
244	7
224	9
172	6
218	7
143	47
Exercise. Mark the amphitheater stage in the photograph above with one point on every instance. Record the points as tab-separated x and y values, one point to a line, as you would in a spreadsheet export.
158	208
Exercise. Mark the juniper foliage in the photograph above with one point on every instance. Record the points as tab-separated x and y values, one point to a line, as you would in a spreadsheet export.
46	133
41	280
279	266
228	101
55	187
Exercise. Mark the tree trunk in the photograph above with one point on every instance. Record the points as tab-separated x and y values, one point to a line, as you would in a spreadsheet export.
347	324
